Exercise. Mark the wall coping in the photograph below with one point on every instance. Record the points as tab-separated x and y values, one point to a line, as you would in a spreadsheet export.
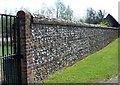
54	21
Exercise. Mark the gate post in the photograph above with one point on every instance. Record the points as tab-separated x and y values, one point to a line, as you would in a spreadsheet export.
26	48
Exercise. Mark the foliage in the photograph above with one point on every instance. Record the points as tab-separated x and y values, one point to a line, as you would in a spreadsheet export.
68	13
100	16
63	12
47	11
94	17
60	11
96	67
105	23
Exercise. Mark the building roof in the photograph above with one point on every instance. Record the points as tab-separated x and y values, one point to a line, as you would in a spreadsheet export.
112	21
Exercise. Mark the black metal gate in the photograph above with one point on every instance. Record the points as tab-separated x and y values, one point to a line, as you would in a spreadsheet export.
10	62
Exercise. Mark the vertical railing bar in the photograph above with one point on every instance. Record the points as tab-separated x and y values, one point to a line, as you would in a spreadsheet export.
6	61
17	71
10	35
4	77
10	69
13	70
10	74
5	69
14	29
1	69
7	32
18	36
2	35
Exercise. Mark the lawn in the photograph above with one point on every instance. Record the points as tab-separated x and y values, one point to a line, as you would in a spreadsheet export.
5	50
0	50
101	65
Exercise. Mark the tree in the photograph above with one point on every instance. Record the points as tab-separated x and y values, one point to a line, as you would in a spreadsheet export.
68	13
49	11
60	9
91	14
94	17
100	16
63	12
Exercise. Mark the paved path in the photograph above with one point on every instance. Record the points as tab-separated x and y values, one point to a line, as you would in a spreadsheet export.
112	80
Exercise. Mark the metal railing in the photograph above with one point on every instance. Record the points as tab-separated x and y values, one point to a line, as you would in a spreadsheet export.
9	43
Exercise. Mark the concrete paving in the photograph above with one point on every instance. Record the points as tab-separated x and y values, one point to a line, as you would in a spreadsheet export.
112	80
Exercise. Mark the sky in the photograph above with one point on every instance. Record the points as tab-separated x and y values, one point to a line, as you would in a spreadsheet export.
78	6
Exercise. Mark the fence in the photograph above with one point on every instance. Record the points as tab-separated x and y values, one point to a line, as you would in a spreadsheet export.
10	66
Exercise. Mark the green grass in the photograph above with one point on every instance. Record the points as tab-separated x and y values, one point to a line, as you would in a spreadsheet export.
0	50
101	65
5	50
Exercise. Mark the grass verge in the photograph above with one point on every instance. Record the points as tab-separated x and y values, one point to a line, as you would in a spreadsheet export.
101	65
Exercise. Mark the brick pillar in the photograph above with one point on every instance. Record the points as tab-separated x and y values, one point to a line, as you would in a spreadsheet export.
26	47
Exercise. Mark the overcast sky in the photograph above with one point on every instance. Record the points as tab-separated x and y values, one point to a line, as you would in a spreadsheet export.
78	6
